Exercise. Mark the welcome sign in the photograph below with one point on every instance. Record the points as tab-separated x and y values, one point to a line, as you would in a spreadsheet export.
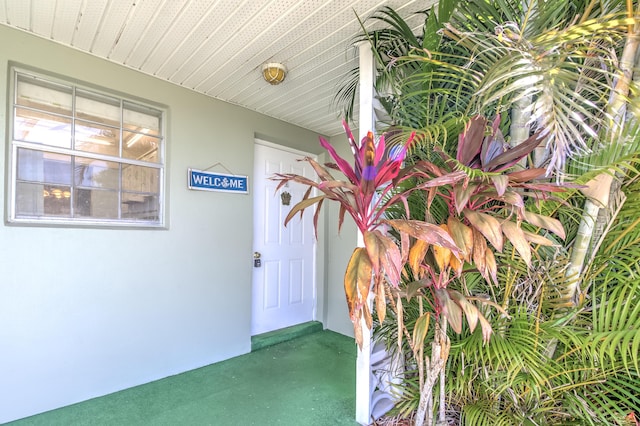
207	181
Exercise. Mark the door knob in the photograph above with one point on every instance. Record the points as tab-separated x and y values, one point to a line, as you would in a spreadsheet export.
256	255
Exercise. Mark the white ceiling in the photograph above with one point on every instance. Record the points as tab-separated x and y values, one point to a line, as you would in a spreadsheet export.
217	47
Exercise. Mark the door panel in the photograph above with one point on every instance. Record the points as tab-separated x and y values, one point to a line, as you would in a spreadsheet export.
284	284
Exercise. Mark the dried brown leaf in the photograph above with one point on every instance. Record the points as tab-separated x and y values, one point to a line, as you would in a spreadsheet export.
448	179
441	254
490	265
321	171
516	236
381	302
545	222
479	249
538	239
451	310
357	279
299	207
488	225
416	257
384	253
420	329
469	309
486	328
428	232
462	235
357	332
366	314
456	265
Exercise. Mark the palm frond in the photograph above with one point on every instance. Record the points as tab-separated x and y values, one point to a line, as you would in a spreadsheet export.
620	157
484	413
614	277
563	55
558	69
393	38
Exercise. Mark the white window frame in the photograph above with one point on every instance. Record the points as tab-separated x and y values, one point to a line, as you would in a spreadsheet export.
12	173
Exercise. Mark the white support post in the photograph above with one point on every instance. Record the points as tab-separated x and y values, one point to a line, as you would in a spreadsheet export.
366	118
366	123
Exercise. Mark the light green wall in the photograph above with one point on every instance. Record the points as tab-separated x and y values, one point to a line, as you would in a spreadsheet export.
340	246
85	312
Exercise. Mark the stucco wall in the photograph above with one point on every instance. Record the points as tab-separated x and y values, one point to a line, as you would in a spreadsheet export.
340	246
85	312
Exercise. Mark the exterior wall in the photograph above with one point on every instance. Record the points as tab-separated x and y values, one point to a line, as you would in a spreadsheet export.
340	246
85	312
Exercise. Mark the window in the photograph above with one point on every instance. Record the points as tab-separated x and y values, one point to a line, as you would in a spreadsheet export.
80	156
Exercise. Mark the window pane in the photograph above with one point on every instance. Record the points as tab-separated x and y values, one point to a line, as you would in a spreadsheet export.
98	108
97	173
140	207
96	204
43	95
142	119
140	179
38	200
139	146
96	138
38	127
38	166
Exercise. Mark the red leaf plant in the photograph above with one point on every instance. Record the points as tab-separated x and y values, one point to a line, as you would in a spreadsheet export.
485	205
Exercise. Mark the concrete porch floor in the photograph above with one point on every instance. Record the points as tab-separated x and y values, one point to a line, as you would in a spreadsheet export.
309	380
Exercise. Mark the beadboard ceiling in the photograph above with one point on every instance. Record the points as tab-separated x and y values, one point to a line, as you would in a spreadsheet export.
217	47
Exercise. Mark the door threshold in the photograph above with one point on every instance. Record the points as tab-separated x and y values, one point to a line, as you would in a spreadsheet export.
274	337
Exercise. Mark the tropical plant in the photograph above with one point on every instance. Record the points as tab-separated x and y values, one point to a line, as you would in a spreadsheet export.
563	69
592	379
485	206
559	59
366	196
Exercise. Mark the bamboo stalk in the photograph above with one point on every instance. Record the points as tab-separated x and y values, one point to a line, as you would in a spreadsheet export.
444	355
519	129
581	247
616	110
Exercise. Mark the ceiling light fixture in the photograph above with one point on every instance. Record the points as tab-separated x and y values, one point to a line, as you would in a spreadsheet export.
274	73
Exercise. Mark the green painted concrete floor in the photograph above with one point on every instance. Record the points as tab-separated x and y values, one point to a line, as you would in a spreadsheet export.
309	380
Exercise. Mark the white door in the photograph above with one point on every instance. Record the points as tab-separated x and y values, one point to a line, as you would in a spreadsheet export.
284	291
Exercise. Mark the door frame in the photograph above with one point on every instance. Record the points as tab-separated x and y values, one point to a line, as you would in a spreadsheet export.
319	288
